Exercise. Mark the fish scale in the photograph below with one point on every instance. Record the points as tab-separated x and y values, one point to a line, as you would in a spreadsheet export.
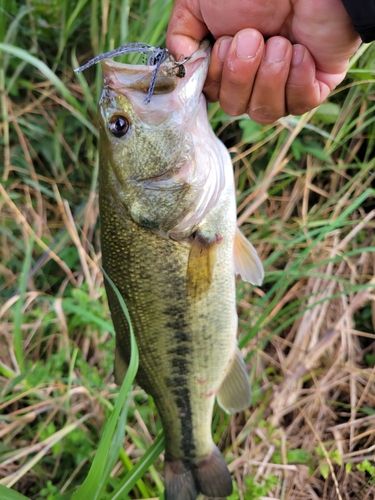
170	354
169	239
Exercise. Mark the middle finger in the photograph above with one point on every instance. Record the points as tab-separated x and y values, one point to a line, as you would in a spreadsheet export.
239	71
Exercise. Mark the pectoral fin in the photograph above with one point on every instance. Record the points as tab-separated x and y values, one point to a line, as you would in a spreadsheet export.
246	261
201	265
234	394
120	368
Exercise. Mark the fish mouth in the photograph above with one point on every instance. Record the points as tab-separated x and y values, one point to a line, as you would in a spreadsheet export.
120	76
171	179
162	182
175	176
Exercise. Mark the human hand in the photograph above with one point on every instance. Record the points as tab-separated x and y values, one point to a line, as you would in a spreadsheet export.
305	55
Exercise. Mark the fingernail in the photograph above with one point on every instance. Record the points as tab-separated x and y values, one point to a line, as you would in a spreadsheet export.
247	44
298	55
223	48
275	50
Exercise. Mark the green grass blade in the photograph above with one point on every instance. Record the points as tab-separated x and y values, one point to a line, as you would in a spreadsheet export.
18	316
11	32
128	466
78	110
87	92
129	481
93	483
124	21
8	494
80	311
73	16
155	33
117	442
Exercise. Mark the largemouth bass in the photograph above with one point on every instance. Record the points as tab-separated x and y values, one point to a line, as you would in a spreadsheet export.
170	244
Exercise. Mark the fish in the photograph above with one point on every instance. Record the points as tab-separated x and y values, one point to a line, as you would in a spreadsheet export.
171	245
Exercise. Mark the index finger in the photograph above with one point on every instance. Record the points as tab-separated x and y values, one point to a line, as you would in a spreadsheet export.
185	29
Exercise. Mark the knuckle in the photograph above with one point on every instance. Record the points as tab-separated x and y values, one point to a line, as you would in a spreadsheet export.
232	109
238	74
299	109
264	114
301	99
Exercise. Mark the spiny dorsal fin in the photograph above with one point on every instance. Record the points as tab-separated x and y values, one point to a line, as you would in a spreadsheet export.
201	265
246	261
234	394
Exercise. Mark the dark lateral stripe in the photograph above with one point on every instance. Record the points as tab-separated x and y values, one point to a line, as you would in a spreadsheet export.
179	387
182	395
180	353
181	365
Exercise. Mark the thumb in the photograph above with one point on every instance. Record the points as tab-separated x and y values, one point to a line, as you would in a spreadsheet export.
185	30
330	80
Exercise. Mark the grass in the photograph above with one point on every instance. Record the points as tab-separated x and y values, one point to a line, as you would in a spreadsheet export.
306	200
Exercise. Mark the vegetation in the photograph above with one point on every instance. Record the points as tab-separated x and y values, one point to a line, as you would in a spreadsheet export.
305	199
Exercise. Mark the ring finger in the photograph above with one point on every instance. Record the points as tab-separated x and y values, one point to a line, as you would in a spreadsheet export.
239	70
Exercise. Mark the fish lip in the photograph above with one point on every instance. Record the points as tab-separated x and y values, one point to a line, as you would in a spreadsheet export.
203	50
178	170
162	182
163	176
120	76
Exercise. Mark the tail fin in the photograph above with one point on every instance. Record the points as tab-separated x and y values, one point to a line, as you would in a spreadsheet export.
212	476
179	482
184	480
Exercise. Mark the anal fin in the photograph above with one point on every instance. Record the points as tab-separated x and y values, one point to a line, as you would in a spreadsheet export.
246	261
234	394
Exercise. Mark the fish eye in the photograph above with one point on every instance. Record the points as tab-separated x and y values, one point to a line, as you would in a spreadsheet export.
118	126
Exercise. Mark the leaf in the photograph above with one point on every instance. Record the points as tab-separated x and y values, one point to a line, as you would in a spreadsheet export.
370	359
318	153
366	466
297	148
328	112
336	456
251	130
324	470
